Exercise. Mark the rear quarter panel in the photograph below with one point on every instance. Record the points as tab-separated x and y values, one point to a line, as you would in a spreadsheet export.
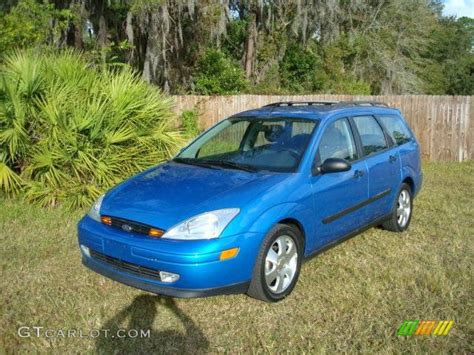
410	157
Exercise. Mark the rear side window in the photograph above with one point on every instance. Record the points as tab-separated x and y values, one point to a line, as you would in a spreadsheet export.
396	128
371	134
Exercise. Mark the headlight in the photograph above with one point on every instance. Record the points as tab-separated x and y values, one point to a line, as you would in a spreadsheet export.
208	225
94	213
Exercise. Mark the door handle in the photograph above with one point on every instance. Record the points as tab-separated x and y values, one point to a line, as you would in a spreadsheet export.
358	173
392	158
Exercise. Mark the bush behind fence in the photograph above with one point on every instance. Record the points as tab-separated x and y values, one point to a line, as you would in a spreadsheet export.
442	124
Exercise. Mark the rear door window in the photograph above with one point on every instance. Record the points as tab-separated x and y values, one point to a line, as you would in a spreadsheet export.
371	134
396	128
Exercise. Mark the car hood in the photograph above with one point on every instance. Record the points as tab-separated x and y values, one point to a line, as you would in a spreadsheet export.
170	193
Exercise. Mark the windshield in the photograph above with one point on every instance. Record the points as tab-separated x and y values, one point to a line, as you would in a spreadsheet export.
251	144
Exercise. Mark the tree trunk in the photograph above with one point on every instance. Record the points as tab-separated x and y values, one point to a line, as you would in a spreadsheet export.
103	32
78	43
250	44
130	37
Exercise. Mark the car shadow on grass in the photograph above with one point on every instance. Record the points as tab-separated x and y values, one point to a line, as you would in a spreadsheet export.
140	316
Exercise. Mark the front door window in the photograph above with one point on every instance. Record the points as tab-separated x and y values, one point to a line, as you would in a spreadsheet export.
337	142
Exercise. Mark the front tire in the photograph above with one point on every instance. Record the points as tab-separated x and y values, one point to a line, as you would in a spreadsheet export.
278	264
402	211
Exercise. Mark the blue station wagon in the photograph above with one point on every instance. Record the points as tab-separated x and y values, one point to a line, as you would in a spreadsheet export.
243	205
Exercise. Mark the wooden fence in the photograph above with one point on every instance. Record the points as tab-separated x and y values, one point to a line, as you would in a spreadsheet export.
443	124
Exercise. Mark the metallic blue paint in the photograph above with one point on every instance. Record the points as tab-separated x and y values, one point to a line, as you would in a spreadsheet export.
170	193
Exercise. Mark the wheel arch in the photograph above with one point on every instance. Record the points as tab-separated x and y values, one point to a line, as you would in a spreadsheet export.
410	182
412	178
295	214
297	224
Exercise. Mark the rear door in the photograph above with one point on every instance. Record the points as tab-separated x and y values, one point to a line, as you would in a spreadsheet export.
407	147
338	197
383	164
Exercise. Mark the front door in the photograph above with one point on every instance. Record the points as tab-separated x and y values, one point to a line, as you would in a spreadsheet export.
339	197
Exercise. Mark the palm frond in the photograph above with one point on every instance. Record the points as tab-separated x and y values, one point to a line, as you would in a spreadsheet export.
10	182
71	131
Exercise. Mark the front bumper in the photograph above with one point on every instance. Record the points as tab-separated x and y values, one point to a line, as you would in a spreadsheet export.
101	269
196	262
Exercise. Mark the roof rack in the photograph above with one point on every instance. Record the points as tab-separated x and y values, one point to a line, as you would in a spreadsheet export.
363	103
327	103
301	103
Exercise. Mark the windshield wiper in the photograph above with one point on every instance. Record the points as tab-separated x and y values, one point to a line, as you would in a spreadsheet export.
215	164
196	162
232	165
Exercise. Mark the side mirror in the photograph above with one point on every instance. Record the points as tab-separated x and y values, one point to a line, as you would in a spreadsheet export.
334	165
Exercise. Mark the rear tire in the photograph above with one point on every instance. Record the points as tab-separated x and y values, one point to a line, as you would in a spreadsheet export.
402	211
278	264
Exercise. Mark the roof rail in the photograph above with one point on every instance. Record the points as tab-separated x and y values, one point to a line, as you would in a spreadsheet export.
302	103
363	103
326	103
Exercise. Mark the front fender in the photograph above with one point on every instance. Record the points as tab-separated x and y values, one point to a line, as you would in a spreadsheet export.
291	210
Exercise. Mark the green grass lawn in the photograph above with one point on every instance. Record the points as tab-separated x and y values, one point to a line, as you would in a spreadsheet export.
351	298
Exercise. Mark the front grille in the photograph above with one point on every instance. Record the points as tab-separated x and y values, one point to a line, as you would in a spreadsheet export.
130	226
126	266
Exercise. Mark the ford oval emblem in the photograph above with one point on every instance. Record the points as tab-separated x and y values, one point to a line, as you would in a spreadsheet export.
126	228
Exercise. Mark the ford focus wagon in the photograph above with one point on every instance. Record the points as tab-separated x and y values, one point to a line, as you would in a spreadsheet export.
243	205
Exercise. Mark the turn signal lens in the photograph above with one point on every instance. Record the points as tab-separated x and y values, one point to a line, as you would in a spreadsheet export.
229	253
155	233
106	220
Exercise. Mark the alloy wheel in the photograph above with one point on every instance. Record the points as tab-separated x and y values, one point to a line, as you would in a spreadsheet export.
281	264
403	208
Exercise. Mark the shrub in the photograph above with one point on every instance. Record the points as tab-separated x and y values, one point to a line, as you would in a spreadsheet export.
298	69
336	78
190	122
69	131
218	74
32	22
